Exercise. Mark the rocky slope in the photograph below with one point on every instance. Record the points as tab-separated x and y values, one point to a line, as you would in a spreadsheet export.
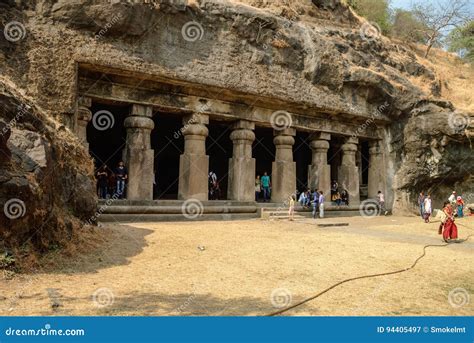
317	53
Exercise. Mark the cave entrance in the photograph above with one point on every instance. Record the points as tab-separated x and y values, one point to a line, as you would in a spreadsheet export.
106	134
167	142
263	150
219	148
302	155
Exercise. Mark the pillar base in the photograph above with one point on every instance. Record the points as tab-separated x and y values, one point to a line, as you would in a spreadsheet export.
283	180
349	179
140	174
193	177
241	179
319	177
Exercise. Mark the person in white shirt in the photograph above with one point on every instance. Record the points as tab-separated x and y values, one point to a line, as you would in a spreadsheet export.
381	201
428	209
452	198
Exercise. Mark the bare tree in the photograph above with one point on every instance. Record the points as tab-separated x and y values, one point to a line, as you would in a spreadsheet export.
439	17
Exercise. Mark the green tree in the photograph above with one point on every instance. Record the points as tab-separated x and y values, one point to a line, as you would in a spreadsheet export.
461	41
407	27
377	11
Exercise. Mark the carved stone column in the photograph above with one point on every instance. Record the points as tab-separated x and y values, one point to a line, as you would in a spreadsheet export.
376	170
242	165
284	168
194	163
138	155
319	172
83	117
349	172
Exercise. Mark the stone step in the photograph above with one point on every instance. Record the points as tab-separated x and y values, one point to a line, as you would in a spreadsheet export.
114	209
137	218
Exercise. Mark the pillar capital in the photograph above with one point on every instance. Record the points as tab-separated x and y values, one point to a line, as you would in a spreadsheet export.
283	140
242	135
351	140
285	132
141	110
316	136
375	148
320	145
139	122
84	115
84	101
243	124
195	118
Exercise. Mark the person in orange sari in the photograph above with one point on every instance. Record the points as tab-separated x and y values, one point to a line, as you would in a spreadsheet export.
450	229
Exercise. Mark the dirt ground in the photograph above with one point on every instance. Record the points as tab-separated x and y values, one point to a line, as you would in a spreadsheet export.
254	267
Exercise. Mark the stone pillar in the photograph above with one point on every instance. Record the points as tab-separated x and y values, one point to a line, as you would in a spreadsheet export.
194	163
319	172
138	155
284	168
242	165
349	172
376	170
83	117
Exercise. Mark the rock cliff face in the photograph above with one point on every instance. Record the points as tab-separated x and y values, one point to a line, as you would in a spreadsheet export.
46	179
317	53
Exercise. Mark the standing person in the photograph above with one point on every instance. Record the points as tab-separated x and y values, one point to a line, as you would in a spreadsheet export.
266	184
450	228
452	199
427	208
121	175
460	207
315	203
381	202
258	187
102	181
321	204
291	209
421	204
212	178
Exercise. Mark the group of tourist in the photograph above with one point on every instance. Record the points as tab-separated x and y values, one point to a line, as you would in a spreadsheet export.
263	187
315	199
339	196
455	202
453	207
111	182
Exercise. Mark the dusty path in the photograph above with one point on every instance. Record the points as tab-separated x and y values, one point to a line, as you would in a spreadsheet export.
159	269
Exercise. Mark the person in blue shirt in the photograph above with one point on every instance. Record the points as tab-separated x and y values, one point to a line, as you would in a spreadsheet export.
266	184
315	202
